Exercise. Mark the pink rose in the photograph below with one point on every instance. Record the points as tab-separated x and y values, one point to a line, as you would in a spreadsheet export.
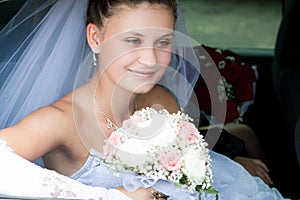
128	124
171	161
137	119
110	144
188	131
131	124
113	139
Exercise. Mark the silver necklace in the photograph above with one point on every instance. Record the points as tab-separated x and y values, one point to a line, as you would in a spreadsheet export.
110	124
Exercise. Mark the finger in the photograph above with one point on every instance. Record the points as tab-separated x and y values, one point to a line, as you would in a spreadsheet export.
261	164
264	176
268	179
158	195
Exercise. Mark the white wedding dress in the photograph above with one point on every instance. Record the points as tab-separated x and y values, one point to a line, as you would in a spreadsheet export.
23	179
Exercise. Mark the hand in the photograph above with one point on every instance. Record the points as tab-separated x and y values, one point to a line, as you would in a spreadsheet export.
142	194
256	168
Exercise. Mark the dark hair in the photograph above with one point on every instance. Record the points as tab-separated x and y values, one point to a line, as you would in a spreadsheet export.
98	10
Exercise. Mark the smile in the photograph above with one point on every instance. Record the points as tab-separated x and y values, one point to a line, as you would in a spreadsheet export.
142	74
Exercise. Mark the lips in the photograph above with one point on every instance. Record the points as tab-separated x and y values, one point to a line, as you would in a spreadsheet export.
142	73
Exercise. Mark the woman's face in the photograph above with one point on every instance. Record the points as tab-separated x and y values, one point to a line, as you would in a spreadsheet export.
136	47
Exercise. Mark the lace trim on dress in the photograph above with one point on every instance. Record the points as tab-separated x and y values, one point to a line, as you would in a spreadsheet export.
32	181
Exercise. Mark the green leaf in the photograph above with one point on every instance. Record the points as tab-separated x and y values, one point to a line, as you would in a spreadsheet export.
209	190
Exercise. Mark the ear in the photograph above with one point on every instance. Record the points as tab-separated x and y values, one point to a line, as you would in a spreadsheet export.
93	35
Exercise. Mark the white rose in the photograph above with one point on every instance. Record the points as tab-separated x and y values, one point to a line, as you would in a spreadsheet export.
132	153
194	162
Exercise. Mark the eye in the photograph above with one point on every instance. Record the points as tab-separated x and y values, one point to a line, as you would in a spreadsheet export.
133	41
164	43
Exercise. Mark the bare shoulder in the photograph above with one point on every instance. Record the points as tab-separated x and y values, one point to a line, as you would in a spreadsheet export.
159	97
62	107
54	120
58	110
42	130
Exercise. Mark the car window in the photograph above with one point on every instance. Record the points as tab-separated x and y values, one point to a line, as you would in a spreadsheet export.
233	23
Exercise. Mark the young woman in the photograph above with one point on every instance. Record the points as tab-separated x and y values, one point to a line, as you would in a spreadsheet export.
131	43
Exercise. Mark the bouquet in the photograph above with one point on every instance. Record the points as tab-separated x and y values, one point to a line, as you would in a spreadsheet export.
160	145
231	86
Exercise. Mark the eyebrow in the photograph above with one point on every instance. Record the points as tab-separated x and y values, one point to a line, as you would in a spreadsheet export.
141	35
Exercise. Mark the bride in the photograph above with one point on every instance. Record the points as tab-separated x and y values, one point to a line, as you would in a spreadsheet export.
51	108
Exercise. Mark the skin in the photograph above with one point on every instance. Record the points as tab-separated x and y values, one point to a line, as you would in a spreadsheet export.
52	131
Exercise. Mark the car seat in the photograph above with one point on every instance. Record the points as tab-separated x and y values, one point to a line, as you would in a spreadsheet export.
286	72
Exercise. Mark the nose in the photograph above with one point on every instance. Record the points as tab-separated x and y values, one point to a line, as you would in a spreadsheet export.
148	57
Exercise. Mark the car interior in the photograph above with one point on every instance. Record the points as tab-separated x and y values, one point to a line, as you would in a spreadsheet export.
274	115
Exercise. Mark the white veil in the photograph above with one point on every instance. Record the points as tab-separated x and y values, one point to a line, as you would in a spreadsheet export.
43	55
39	51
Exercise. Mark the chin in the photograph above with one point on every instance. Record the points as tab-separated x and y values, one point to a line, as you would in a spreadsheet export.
144	89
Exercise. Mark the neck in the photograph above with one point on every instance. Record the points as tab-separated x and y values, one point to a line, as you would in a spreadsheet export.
115	102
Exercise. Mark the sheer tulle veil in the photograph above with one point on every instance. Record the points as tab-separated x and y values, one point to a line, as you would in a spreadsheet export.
40	49
44	55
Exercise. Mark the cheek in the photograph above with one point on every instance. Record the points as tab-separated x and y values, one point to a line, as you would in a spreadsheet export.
163	58
118	67
112	54
116	62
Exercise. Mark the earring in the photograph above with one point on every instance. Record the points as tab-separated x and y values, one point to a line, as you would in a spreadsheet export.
94	59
